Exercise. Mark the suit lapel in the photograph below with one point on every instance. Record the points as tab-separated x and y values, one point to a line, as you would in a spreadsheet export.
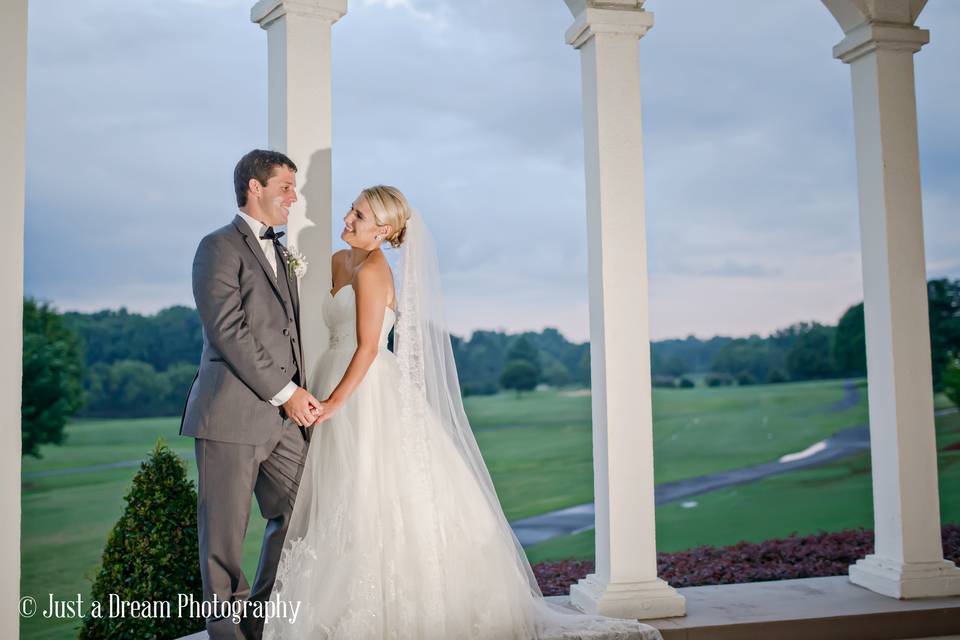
283	282
254	245
294	292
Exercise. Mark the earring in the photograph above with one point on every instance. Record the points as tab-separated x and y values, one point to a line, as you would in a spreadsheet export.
376	237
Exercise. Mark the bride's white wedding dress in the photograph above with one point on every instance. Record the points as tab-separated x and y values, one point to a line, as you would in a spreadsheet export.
392	536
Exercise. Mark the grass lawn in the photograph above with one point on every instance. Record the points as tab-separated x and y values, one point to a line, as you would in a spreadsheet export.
538	449
831	497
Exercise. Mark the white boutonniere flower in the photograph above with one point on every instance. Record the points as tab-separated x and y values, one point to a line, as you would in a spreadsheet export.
296	263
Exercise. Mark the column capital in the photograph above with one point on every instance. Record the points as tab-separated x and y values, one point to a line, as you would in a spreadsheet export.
265	12
624	18
871	36
870	25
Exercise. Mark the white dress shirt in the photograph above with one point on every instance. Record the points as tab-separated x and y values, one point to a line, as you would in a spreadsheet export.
270	254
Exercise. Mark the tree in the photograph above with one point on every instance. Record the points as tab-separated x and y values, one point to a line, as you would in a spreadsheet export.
810	357
744	355
52	373
177	380
151	554
581	372
519	375
951	381
128	388
943	298
524	349
556	374
675	365
849	349
522	371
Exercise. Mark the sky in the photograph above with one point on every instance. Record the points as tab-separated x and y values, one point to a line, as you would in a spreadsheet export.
138	112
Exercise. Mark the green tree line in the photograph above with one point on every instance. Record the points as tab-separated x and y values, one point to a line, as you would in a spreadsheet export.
120	364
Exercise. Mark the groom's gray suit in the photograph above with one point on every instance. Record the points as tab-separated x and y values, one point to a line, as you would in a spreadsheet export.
244	445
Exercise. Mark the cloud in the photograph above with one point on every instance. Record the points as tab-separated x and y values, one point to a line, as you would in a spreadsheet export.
138	111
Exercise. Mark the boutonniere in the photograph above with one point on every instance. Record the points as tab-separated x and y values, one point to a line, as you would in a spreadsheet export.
296	263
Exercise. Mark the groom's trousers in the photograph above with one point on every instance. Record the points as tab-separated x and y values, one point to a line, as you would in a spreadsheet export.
230	474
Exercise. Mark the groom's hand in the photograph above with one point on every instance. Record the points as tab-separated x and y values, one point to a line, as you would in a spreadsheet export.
302	408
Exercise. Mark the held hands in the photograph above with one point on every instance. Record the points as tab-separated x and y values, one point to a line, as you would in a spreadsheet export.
303	408
327	408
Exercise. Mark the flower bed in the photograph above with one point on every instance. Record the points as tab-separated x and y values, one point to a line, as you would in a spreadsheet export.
817	555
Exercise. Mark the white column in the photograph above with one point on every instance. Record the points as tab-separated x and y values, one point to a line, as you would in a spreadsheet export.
13	125
625	583
299	114
879	46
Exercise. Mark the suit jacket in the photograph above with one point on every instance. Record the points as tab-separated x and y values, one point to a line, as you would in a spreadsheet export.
251	339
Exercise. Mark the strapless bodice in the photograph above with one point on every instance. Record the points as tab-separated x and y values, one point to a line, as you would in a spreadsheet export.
340	315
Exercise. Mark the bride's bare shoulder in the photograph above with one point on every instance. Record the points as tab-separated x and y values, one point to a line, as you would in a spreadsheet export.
337	263
375	270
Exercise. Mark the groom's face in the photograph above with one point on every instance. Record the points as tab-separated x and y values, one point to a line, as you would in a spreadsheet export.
277	196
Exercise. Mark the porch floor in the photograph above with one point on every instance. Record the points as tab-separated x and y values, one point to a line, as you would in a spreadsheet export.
830	608
811	608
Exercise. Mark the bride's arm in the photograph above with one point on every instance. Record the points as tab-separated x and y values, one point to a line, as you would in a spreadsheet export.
371	288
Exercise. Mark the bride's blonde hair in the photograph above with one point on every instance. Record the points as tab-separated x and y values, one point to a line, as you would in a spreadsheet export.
389	206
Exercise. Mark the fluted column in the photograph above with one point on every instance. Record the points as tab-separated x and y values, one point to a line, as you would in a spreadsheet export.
300	123
625	583
13	126
879	46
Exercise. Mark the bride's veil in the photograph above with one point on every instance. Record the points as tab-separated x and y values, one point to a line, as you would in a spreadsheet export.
430	392
429	385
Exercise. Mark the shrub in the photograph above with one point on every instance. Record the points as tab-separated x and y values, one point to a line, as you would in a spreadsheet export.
686	383
151	554
818	555
479	389
663	381
718	380
777	376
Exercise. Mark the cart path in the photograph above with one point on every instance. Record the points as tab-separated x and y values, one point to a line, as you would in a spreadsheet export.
543	527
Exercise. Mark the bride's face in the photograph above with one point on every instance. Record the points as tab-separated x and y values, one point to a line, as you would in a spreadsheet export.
360	228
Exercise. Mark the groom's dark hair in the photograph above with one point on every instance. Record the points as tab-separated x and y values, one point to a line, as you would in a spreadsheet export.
258	164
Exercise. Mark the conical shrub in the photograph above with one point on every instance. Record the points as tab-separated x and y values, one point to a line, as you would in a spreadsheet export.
150	556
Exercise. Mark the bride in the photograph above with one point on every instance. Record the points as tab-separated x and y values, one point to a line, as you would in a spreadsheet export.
397	531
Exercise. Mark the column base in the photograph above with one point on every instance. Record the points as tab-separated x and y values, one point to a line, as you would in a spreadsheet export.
906	580
631	600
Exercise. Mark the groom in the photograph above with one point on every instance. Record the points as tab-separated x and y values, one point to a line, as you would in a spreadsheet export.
247	408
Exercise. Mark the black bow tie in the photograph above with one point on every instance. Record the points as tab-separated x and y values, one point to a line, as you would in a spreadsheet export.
270	234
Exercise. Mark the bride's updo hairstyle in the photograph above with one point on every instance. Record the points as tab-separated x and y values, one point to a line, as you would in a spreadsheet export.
390	207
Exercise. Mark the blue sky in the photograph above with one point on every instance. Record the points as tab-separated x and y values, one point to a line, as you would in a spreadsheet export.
137	112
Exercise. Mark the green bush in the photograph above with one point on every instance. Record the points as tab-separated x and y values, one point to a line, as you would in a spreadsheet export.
777	376
686	383
663	381
151	554
718	380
